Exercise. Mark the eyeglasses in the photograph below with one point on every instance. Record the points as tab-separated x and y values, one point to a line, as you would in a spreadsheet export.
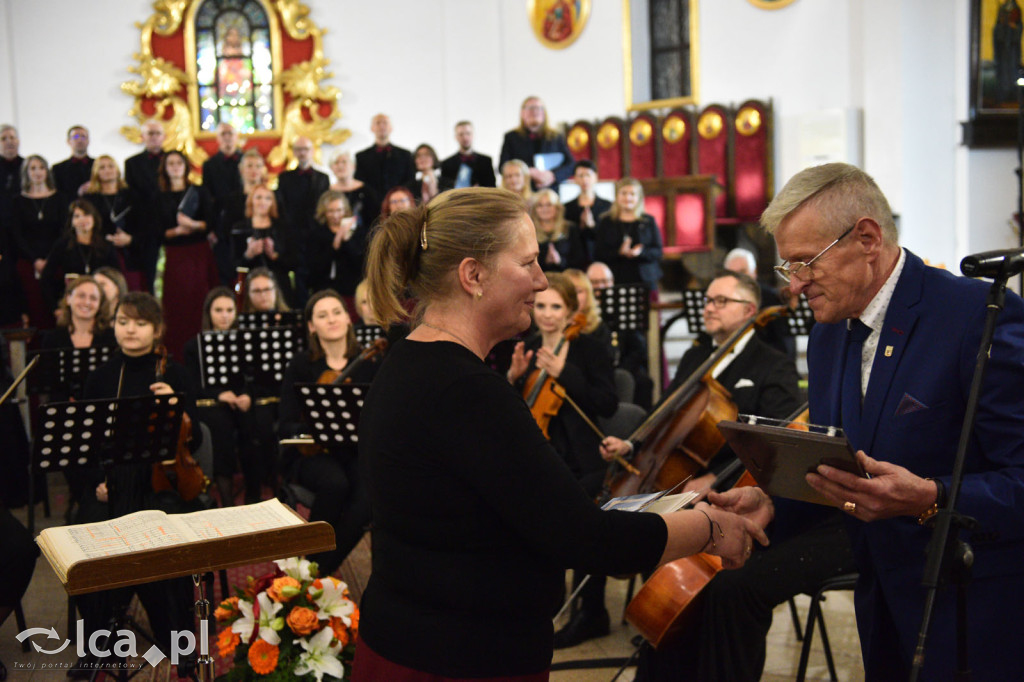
722	301
789	270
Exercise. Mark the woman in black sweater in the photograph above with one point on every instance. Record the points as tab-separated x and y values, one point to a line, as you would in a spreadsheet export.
332	474
336	248
81	250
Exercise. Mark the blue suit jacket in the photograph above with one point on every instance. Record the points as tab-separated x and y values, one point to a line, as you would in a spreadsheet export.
911	416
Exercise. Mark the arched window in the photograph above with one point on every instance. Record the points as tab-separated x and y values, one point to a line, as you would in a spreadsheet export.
234	66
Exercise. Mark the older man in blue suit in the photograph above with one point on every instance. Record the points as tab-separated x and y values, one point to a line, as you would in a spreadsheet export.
891	360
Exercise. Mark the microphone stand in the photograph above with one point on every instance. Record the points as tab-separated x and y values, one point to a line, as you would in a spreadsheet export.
950	558
1020	169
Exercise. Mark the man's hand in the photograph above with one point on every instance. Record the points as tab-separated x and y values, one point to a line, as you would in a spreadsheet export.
891	491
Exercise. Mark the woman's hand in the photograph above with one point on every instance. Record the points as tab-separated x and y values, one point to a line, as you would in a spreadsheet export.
102	494
554	364
626	247
520	361
120	238
268	248
254	248
748	501
38	264
553	257
731	536
243	402
161	388
612	447
228	398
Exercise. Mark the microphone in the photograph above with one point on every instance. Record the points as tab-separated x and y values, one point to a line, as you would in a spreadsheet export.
994	264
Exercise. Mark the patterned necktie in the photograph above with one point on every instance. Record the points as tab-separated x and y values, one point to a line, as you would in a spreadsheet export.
852	395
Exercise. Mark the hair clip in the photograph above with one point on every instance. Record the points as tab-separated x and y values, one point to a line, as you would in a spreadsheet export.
423	236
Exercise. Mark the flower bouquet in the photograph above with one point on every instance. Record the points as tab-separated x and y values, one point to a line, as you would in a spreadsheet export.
289	624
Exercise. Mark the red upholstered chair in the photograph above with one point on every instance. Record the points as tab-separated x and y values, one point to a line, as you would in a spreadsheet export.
643	152
714	130
676	140
752	160
581	140
683	207
611	158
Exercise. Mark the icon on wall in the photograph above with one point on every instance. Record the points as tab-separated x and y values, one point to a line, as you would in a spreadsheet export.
558	23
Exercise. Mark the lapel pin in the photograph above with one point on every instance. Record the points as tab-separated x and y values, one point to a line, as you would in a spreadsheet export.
888	351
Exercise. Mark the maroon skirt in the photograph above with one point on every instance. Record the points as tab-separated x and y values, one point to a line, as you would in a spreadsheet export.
369	666
189	274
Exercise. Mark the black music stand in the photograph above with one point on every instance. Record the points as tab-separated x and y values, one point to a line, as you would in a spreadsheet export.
693	310
259	355
800	320
332	411
106	432
65	369
272	318
625	307
366	334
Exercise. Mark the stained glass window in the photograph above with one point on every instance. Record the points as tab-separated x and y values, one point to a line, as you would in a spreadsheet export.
234	65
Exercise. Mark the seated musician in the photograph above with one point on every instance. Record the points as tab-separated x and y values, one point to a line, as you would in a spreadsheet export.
82	318
333	475
583	368
262	293
139	368
227	409
808	544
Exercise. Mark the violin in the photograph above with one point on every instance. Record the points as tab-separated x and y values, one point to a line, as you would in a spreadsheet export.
667	606
188	476
681	436
542	393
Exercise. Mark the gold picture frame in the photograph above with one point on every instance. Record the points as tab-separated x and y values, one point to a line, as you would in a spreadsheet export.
629	74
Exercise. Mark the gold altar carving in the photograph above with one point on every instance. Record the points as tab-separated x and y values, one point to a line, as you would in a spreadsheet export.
168	91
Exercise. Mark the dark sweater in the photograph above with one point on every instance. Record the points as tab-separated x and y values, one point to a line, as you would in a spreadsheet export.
475	520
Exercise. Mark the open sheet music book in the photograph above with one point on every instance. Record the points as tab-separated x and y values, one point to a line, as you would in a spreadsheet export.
151	545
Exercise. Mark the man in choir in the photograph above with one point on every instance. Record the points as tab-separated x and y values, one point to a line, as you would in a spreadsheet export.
222	180
140	172
539	146
383	165
467	168
70	174
892	360
10	161
298	191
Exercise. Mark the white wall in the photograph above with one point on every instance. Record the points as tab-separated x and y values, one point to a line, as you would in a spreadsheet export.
428	63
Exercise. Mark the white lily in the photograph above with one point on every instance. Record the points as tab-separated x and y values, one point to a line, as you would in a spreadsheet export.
295	568
331	600
320	656
245	625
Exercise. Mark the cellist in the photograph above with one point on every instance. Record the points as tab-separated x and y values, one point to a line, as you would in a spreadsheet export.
583	368
806	548
139	368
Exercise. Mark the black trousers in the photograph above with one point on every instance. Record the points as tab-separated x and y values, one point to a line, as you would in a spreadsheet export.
729	643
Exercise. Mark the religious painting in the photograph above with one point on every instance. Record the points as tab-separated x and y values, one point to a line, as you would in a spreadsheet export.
256	64
558	23
996	64
771	4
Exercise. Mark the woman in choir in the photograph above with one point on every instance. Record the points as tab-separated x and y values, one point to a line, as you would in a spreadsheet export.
253	170
116	204
261	239
334	475
114	287
81	250
397	199
336	248
138	368
39	218
83	320
560	243
363	200
476	518
428	182
189	269
226	408
628	240
515	177
587	208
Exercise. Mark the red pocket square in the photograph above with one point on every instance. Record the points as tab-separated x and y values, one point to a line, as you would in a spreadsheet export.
909	404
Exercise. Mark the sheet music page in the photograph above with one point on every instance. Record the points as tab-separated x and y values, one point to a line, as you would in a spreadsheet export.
131	533
218	523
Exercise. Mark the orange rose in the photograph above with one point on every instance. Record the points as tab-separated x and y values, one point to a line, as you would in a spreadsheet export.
227	641
303	621
227	609
340	631
354	617
284	589
263	657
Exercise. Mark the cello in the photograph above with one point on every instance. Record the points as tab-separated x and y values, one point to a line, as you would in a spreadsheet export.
680	437
668	603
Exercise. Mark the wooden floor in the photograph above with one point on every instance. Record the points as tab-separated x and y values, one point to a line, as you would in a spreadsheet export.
45	606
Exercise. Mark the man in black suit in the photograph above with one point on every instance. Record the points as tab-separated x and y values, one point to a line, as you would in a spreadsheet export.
222	179
10	161
384	165
72	173
535	141
140	172
467	168
298	191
